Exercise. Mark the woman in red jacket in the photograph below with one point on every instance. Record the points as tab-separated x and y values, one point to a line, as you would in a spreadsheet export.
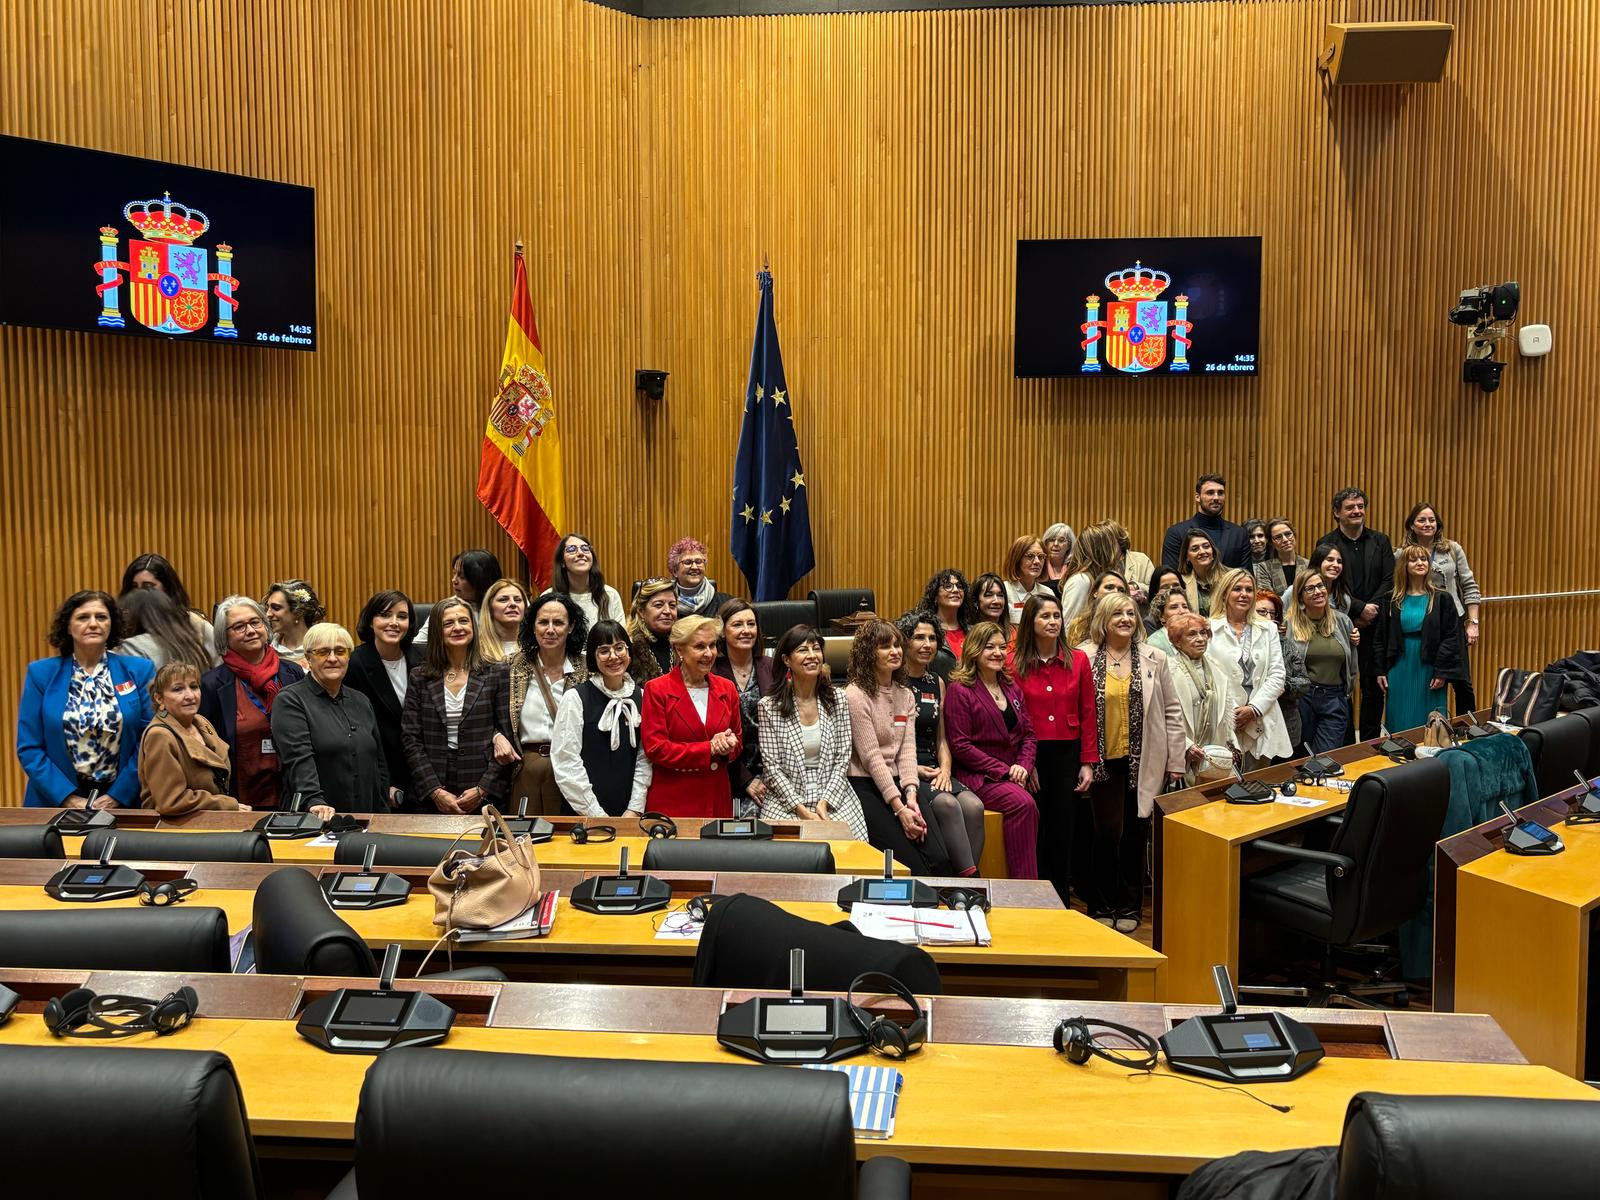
691	727
1058	692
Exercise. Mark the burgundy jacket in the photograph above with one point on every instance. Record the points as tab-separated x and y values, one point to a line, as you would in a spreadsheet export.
982	748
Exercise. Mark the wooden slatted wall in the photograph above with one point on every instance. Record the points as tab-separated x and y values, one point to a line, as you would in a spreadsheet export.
886	163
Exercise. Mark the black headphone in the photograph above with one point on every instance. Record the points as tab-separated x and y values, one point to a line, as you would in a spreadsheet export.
1080	1038
159	895
81	1013
584	834
960	899
657	826
699	907
341	823
884	1034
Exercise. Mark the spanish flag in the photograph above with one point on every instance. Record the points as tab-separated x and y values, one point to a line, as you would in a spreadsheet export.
519	478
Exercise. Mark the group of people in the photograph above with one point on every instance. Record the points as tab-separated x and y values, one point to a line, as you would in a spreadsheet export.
1064	692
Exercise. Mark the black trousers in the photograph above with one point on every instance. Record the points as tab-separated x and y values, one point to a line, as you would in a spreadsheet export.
1371	693
1116	885
927	857
1057	764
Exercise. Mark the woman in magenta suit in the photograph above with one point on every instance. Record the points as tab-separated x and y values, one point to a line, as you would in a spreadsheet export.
992	743
691	727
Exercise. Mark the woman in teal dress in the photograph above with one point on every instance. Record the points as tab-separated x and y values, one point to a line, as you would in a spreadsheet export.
1419	645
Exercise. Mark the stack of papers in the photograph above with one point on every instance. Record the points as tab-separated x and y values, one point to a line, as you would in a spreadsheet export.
679	927
921	926
874	1097
535	922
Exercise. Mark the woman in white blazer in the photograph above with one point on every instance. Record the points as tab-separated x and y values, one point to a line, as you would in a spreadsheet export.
1247	651
1203	692
804	727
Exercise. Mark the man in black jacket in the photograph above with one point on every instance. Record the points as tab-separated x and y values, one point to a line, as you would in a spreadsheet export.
1369	574
1210	498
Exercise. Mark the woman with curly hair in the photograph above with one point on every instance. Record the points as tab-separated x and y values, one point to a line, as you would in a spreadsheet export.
945	597
883	754
549	663
83	711
292	608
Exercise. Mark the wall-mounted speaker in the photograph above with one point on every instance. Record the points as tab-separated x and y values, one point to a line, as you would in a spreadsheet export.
1386	51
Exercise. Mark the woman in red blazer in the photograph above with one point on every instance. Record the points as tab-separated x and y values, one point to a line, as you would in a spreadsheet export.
690	721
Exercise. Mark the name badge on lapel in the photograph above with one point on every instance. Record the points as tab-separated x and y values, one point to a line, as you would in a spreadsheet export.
125	687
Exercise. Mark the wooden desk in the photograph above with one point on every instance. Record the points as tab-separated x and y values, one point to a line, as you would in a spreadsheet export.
1199	864
1523	936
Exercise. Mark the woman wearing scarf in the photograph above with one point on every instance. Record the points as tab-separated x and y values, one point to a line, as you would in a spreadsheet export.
595	750
1140	734
697	595
236	698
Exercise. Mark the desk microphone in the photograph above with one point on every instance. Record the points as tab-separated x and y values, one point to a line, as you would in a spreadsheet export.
1247	791
1588	809
1529	837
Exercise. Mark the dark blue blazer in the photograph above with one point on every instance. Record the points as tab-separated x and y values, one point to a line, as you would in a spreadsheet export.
219	699
42	744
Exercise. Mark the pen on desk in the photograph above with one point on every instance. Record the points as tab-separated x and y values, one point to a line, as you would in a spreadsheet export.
914	921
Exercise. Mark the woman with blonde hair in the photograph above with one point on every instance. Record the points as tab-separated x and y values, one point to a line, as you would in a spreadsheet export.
183	761
650	621
1419	643
500	620
1023	574
1097	551
327	733
1248	652
691	726
1326	638
1105	584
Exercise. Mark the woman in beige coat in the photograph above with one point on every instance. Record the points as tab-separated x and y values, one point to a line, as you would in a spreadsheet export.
183	761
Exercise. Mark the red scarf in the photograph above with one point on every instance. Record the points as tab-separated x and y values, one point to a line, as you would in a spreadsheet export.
261	677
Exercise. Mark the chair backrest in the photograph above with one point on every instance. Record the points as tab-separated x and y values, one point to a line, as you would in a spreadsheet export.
1439	1147
746	944
149	845
1591	716
189	937
1391	823
1558	747
421	610
836	656
172	1121
777	617
296	933
422	1115
397	849
30	841
833	603
780	856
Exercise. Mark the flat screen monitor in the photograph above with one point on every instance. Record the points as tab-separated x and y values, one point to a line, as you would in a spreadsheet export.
1104	308
113	244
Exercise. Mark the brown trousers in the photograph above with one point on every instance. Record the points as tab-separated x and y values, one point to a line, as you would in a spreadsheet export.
536	779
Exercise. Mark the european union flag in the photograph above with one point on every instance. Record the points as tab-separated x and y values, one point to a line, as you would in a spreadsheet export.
771	533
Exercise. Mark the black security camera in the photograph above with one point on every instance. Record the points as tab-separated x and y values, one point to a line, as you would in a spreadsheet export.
1487	312
1492	302
652	383
1485	372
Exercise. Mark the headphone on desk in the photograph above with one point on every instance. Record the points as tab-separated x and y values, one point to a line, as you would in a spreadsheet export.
1081	1039
583	835
658	826
960	899
82	1013
883	1033
160	895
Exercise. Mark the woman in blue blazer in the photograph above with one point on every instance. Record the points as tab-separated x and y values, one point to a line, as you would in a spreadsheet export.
83	711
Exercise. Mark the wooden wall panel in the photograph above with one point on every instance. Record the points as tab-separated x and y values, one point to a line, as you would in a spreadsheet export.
886	163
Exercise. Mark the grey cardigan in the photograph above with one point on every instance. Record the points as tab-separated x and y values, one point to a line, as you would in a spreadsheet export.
1342	627
1269	573
1453	575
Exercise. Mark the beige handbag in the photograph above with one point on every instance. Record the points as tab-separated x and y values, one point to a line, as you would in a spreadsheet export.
1438	734
482	889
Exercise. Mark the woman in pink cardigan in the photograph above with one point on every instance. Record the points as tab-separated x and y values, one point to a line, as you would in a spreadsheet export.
992	743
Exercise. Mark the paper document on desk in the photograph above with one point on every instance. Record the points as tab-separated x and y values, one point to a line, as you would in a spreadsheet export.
679	927
533	923
323	841
1300	801
874	1097
921	926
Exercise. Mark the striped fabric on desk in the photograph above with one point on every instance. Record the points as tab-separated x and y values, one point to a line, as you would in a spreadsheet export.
874	1096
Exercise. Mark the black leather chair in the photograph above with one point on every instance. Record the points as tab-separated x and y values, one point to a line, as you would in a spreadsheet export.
783	857
420	612
424	1114
296	933
1372	878
397	849
777	617
134	1124
833	603
1558	747
1591	768
30	841
188	937
148	845
746	944
1438	1147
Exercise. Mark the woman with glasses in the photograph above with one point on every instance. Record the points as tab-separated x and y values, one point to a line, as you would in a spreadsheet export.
1058	541
1326	639
597	752
697	595
1202	692
237	699
946	598
327	733
1283	562
1024	574
577	574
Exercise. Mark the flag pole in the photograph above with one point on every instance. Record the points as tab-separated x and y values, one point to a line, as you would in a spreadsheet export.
527	567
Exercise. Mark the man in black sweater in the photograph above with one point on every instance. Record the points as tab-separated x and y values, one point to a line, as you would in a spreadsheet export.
1369	574
1210	497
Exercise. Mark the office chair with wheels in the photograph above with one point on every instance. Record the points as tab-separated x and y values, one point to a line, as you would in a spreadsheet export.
149	845
144	1124
782	856
423	1115
296	933
833	603
183	937
30	841
777	617
1372	878
746	943
1558	747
